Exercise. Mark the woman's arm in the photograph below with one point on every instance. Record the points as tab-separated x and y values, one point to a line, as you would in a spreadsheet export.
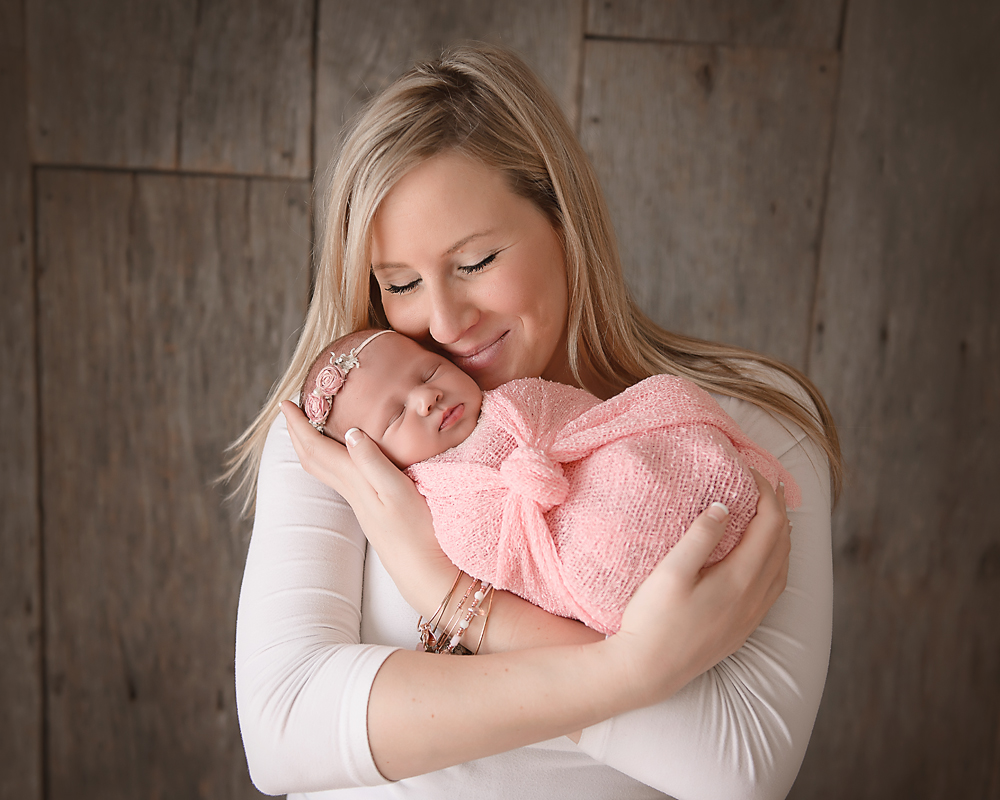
741	729
302	676
686	620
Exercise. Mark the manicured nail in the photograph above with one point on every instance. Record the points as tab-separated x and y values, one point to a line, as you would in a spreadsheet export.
781	485
718	511
353	436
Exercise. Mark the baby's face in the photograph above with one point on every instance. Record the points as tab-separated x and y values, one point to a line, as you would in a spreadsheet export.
413	403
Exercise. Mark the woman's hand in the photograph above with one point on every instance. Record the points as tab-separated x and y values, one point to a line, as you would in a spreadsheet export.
686	617
392	513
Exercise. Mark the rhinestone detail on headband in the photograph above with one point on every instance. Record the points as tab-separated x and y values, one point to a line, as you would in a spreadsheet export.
330	380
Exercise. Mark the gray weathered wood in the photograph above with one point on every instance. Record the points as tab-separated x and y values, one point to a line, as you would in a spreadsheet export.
713	161
167	308
20	592
107	79
765	23
249	105
906	347
364	46
216	87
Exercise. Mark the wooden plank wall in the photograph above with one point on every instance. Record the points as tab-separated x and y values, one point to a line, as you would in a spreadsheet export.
906	346
816	180
21	742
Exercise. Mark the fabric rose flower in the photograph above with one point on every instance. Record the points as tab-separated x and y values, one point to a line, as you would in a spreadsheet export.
317	408
329	380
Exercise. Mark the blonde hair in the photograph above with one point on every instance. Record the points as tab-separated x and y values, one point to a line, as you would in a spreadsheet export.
484	102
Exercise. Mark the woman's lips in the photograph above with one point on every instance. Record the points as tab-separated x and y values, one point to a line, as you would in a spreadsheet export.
451	416
481	358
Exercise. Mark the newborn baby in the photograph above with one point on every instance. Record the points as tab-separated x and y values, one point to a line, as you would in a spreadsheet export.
539	488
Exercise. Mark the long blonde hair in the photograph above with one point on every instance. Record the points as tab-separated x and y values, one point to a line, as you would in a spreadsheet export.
484	102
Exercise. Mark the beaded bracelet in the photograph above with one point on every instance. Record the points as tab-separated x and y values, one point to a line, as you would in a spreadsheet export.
449	629
449	640
485	590
486	618
428	641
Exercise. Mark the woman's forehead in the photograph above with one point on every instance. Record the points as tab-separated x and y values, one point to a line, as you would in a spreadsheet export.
442	204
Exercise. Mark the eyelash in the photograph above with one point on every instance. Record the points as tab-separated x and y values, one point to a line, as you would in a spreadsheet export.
470	270
402	410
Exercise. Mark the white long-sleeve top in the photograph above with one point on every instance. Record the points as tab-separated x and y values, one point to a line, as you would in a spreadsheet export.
318	615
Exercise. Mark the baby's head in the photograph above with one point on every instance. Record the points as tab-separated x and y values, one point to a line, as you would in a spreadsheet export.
411	402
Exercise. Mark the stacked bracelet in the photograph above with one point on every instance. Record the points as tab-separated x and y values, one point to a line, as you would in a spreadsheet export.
449	640
426	630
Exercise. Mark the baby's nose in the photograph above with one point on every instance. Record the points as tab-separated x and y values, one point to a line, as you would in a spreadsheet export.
426	397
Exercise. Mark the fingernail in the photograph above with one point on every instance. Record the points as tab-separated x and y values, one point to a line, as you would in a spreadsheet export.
718	511
353	436
781	485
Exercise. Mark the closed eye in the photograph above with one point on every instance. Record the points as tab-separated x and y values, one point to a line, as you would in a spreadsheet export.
395	418
402	288
482	264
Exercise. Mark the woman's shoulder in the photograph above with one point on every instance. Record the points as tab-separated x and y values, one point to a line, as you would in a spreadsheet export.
776	433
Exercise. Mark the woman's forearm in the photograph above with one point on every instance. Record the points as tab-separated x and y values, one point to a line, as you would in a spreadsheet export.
427	712
512	624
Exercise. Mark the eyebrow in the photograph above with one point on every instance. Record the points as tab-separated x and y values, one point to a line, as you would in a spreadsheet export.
457	246
462	242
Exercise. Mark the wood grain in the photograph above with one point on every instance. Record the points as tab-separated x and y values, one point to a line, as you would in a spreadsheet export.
713	161
810	24
107	79
248	108
168	306
906	347
21	744
362	47
214	87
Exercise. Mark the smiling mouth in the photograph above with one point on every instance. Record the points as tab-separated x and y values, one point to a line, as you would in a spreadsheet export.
480	359
451	416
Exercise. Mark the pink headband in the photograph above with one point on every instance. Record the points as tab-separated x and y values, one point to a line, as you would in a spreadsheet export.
330	380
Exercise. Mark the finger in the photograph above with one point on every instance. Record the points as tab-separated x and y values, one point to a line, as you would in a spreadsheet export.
320	456
383	476
696	545
762	552
768	496
777	546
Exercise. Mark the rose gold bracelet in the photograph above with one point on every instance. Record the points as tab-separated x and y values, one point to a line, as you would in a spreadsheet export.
484	591
428	641
486	618
449	629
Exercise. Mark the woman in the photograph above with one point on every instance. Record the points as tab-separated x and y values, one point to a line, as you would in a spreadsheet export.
463	213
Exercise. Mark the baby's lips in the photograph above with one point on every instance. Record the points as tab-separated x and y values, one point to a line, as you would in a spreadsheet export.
451	416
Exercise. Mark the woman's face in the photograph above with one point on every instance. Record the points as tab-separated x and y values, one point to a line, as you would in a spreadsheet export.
470	268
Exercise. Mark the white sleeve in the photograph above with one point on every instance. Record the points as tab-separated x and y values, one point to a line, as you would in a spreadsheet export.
302	676
741	729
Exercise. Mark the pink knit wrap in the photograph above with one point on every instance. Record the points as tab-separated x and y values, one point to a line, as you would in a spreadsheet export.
570	502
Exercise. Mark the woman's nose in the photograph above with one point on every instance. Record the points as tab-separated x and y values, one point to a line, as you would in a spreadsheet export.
423	398
451	314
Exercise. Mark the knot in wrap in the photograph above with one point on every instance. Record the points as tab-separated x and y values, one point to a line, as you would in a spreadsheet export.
530	473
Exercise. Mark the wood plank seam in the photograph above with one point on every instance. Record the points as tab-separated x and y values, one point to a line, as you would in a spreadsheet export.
722	45
824	199
42	592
